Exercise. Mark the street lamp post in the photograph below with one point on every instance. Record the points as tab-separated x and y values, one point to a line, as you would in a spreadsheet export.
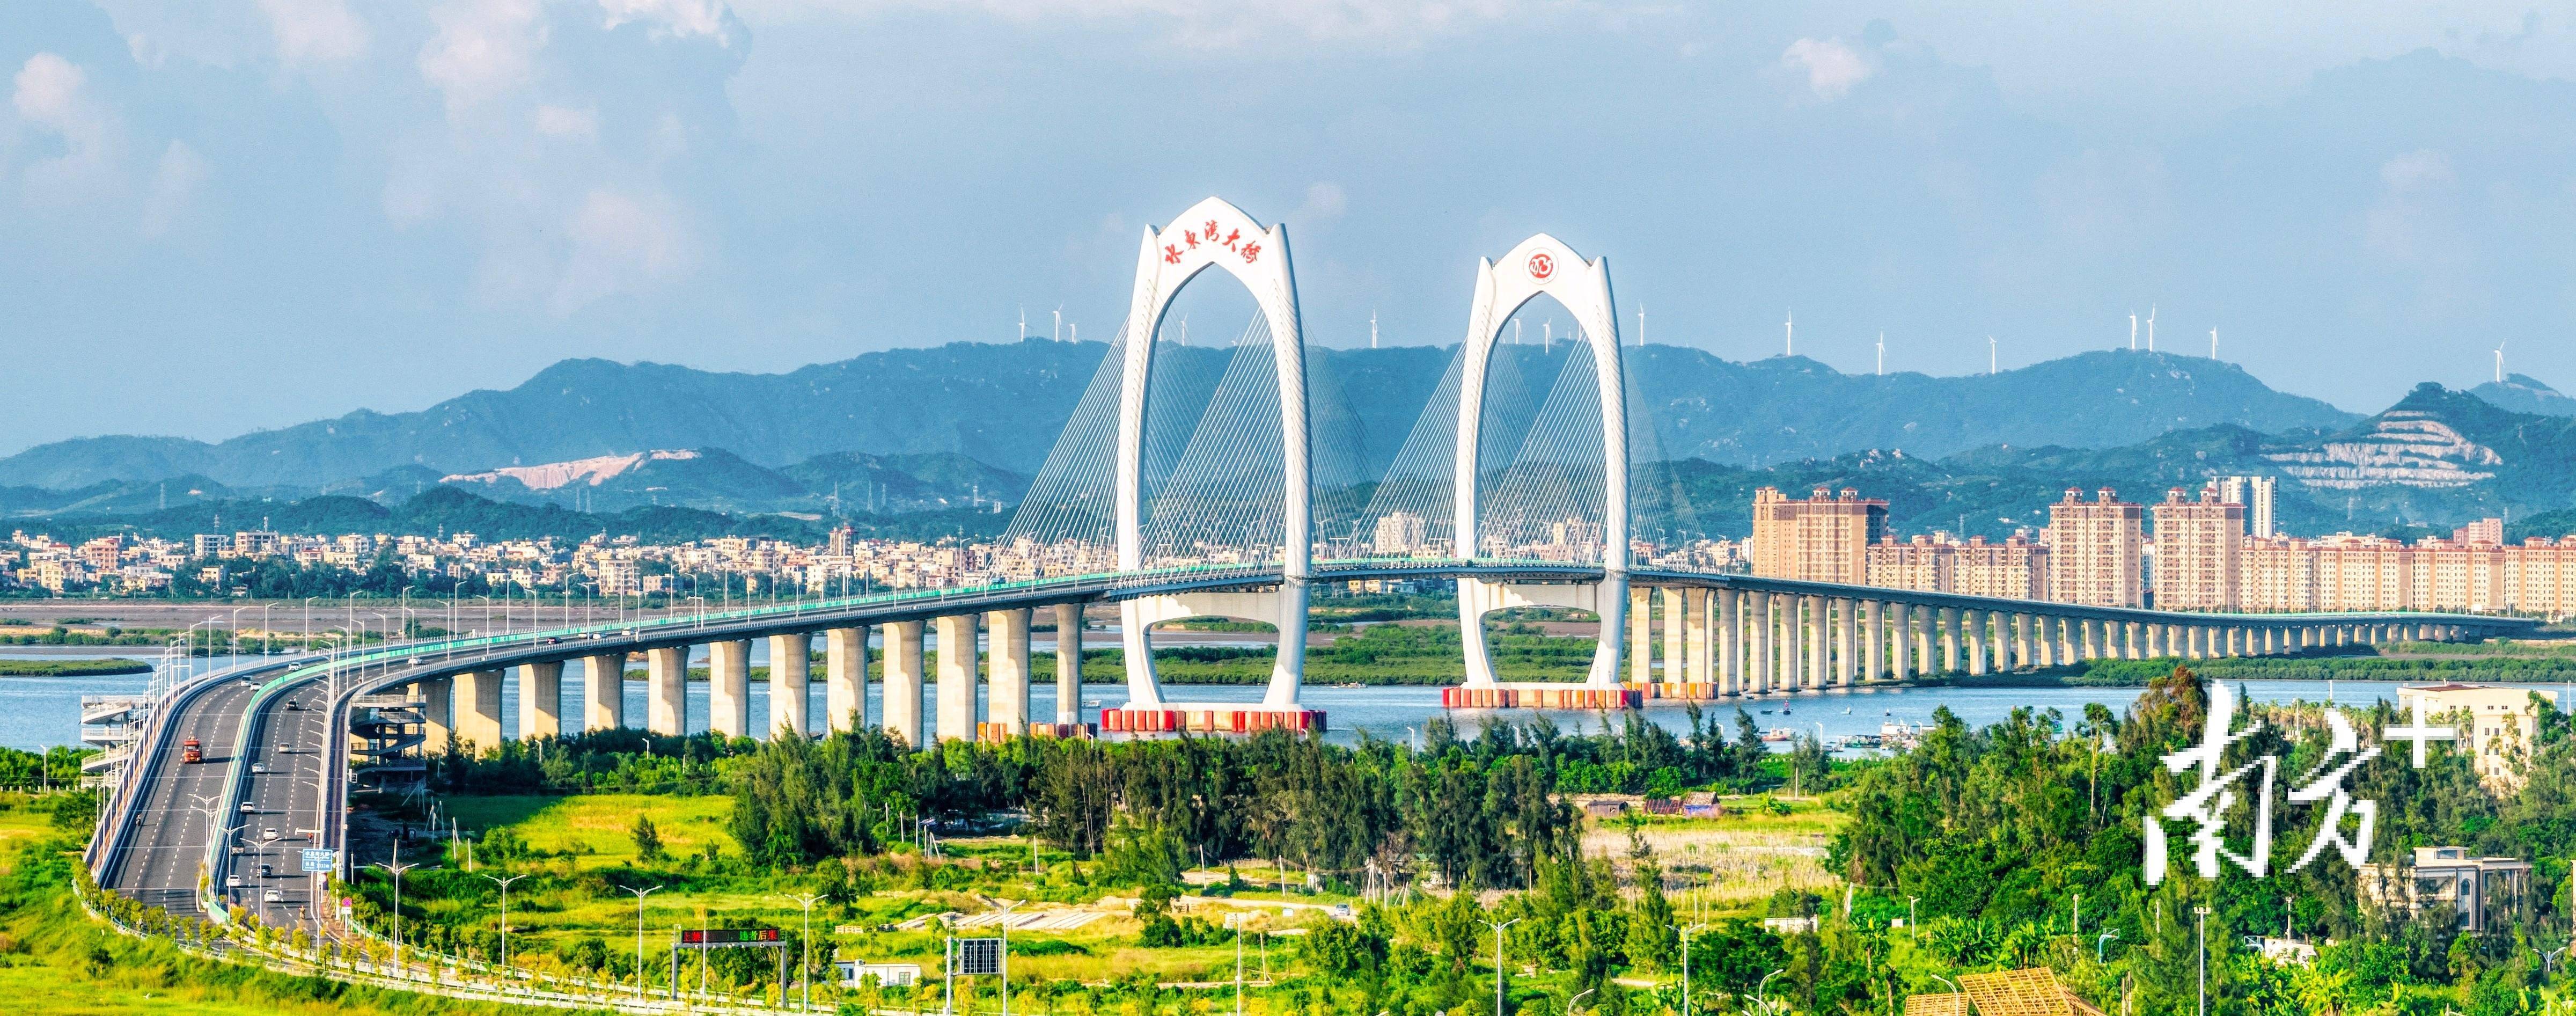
1911	933
2100	940
639	935
1686	933
2203	914
1762	992
504	883
805	973
396	868
1498	962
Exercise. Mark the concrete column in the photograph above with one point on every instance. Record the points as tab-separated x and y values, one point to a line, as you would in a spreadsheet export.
1926	623
1790	612
729	688
666	695
1973	623
2022	658
478	710
541	699
2067	655
1676	633
1761	655
1695	636
791	668
2178	642
1998	634
1873	641
1946	620
603	692
957	659
1008	700
1730	642
845	678
437	697
1817	642
1641	654
1068	663
2133	640
1900	641
1846	641
902	704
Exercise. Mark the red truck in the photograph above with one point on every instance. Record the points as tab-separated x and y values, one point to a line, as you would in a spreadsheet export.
190	751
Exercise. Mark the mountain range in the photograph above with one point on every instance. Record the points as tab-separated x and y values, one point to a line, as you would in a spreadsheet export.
958	430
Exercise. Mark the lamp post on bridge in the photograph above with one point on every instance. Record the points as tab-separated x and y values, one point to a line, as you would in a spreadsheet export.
1498	961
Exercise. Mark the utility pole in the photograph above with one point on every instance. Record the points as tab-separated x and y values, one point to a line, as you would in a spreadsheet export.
1686	933
806	972
396	867
1498	962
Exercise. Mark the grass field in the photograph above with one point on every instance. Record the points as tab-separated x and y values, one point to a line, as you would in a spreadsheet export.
598	828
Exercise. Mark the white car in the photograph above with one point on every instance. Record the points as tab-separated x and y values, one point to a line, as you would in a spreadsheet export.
268	834
273	896
259	768
232	881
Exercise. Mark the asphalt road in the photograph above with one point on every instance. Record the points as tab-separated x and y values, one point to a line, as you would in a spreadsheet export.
159	861
284	817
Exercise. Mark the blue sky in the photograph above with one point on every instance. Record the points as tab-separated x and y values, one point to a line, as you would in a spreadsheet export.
230	214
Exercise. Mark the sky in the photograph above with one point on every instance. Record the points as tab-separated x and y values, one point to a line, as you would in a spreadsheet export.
223	215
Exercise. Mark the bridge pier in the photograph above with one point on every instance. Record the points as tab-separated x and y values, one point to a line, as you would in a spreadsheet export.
666	692
1641	647
479	700
903	681
1760	647
1974	623
541	699
1873	638
957	659
1068	664
1729	610
437	697
1846	640
603	692
1947	619
1007	673
845	678
791	669
729	688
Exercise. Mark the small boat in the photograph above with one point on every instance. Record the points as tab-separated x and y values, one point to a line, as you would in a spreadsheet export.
1779	735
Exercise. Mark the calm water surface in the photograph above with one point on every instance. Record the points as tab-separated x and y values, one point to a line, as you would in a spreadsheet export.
39	712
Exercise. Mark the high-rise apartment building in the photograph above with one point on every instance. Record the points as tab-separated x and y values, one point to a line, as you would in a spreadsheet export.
2255	493
2095	549
1399	533
1825	538
2198	546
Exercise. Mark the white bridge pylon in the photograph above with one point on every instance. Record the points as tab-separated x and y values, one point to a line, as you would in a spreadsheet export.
1214	233
1544	264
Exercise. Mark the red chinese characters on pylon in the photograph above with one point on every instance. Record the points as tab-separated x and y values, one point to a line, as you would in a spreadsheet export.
1210	234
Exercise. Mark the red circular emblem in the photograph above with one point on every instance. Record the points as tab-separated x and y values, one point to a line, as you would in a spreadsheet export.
1542	265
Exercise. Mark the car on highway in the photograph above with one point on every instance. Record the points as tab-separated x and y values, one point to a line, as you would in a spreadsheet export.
293	706
268	834
267	871
232	882
273	896
259	768
249	807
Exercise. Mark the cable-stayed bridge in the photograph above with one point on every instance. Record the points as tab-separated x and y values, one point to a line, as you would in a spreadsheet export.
1202	487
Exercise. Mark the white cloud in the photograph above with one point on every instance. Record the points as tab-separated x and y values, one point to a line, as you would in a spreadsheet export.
1831	68
1324	200
311	32
671	18
566	122
174	187
53	94
619	243
483	49
1231	23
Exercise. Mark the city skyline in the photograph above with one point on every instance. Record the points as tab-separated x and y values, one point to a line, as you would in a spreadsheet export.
441	200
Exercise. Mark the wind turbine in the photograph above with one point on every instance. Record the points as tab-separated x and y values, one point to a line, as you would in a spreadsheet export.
1882	354
1990	356
1547	335
2133	332
1789	335
1024	321
1058	333
2151	328
1641	326
1372	329
2499	351
2213	343
1516	331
